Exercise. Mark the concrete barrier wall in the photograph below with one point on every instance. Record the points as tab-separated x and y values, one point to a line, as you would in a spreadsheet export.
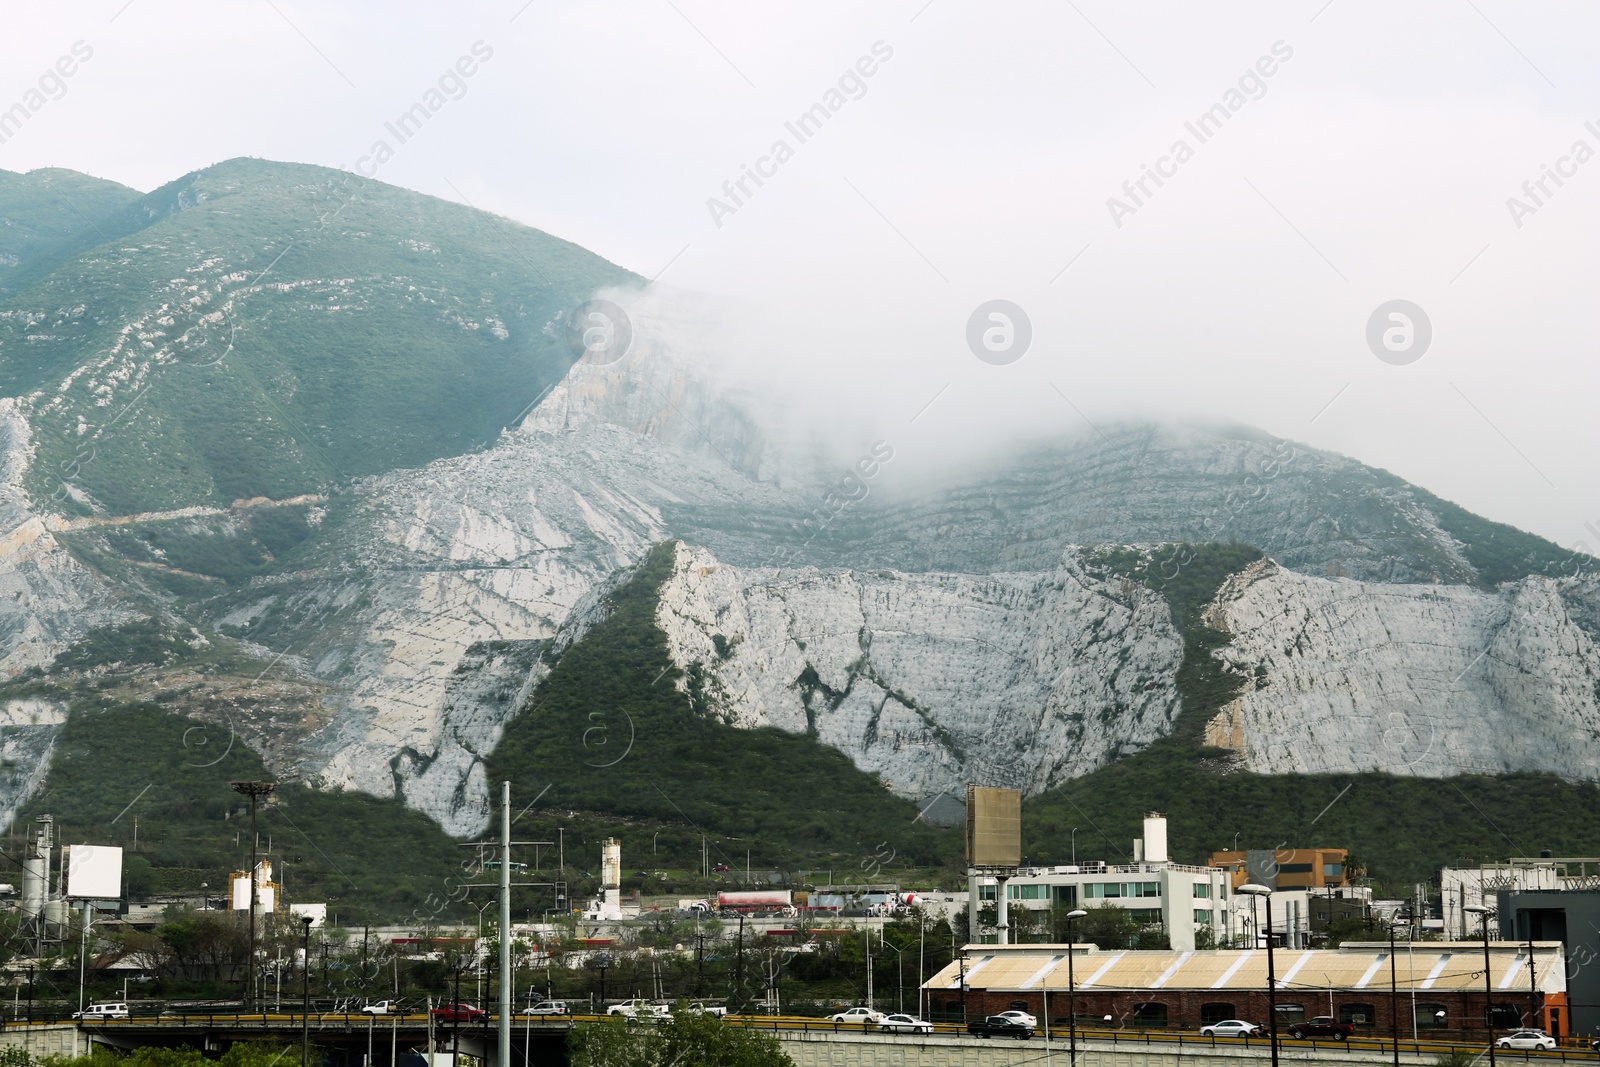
45	1039
858	1050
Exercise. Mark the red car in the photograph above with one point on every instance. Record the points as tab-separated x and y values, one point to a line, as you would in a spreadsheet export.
459	1013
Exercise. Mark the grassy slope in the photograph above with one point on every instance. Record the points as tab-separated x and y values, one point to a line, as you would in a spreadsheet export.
388	358
1403	828
791	800
42	210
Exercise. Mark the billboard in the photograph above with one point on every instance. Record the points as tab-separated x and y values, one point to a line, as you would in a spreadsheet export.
94	872
994	827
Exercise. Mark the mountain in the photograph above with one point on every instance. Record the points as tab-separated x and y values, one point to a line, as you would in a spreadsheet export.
310	459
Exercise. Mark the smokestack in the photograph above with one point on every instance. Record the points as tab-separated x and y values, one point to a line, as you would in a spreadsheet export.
1155	838
611	878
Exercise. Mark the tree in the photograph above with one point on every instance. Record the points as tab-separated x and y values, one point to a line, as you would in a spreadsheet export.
689	1040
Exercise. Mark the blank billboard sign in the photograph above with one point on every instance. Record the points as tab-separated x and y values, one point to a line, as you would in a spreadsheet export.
994	827
94	872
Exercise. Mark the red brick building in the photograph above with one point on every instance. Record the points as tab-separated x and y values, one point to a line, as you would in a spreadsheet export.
1438	987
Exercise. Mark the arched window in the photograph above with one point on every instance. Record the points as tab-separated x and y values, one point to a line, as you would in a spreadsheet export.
1216	1011
1432	1017
1150	1014
1357	1014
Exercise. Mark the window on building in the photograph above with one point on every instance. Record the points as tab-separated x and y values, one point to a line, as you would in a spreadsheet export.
1505	1016
1064	894
985	892
1290	1013
1431	1017
1216	1012
1356	1014
1333	870
1202	891
1031	891
1201	915
1146	916
1144	889
1150	1014
1294	868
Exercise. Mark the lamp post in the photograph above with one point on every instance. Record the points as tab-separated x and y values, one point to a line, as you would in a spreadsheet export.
1255	890
305	993
253	790
1488	979
1072	995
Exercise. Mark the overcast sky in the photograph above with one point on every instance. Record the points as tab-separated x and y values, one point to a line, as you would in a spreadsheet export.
1368	156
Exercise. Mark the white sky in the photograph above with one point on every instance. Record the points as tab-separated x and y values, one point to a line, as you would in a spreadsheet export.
1376	165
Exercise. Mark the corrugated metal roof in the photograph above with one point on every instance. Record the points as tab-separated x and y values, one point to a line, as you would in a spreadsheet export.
1435	965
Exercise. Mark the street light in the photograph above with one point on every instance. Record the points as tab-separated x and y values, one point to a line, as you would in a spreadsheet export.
1488	982
1255	890
1072	995
1394	995
305	993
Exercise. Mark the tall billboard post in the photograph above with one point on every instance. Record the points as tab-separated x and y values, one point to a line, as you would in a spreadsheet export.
91	872
994	849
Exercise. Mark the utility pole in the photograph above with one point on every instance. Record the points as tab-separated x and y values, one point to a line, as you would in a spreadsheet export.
506	978
253	790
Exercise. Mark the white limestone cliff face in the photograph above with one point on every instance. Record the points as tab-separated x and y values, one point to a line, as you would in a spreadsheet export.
467	566
1429	680
47	598
932	680
936	638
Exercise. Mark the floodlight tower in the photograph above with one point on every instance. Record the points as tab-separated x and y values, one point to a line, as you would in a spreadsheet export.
253	790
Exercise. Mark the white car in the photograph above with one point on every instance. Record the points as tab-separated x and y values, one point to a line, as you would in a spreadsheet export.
383	1007
1020	1017
103	1011
1230	1028
641	1011
905	1024
1527	1039
548	1007
864	1016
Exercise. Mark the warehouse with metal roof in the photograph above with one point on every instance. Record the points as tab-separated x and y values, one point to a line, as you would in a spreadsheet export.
1423	989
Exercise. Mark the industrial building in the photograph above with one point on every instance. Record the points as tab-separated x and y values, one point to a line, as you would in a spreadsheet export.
1437	990
1571	917
1461	888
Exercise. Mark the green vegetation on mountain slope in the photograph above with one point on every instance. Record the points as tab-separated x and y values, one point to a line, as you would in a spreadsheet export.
609	731
1402	828
112	762
263	329
42	210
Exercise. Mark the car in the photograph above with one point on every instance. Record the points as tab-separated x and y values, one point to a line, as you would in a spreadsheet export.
719	1010
548	1007
459	1013
383	1007
117	1010
641	1011
905	1024
1020	1016
721	868
1322	1026
1527	1039
999	1026
864	1016
1230	1028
